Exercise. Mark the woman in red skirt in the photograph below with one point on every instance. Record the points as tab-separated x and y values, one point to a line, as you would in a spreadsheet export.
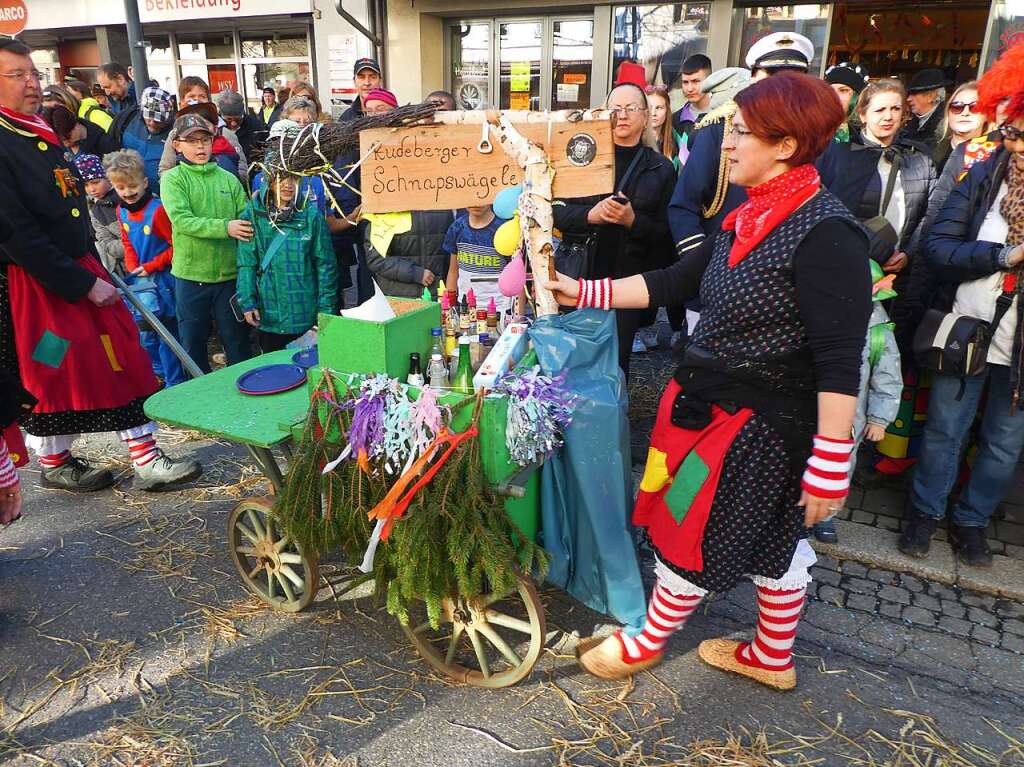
753	435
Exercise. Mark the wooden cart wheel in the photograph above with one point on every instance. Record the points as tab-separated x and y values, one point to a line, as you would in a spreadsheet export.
272	566
494	642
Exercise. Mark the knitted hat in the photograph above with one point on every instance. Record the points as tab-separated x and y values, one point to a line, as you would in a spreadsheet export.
723	84
844	73
89	167
382	94
155	105
231	104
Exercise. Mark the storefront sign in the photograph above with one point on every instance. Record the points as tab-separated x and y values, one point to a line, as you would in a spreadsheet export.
13	17
181	10
520	80
567	94
439	167
341	55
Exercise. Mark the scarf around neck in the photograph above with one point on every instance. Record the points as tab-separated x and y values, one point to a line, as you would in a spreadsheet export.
769	204
34	124
1013	204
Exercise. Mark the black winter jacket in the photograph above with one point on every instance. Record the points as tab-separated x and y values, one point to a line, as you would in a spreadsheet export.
850	172
644	246
954	252
43	202
400	271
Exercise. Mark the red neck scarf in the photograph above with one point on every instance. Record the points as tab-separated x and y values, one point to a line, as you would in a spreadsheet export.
33	123
769	204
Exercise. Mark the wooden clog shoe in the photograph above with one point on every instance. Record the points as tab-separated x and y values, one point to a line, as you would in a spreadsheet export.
602	657
721	653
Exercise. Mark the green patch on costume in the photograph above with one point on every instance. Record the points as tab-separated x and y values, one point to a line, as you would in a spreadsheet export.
692	474
50	350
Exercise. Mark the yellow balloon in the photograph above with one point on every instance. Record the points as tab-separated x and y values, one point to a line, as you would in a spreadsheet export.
506	239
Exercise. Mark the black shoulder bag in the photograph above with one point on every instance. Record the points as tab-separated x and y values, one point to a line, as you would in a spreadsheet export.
879	226
957	344
574	257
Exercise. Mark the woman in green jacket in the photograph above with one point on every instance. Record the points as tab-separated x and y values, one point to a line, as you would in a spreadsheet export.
287	272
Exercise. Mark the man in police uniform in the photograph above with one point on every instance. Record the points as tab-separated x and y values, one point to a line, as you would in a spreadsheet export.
703	194
63	326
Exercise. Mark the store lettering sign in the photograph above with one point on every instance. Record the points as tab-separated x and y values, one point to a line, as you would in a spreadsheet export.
13	17
175	10
440	167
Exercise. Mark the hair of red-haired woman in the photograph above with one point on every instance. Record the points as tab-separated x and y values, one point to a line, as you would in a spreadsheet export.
796	105
1004	78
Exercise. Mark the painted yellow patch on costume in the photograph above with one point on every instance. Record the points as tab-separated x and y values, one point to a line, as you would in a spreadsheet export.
655	472
111	357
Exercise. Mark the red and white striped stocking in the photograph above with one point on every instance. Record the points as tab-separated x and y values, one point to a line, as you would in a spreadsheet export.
666	614
142	449
778	613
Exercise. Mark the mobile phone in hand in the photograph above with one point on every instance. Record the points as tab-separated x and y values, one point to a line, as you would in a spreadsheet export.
620	199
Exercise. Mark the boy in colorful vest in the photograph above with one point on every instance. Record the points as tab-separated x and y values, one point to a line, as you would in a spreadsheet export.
146	237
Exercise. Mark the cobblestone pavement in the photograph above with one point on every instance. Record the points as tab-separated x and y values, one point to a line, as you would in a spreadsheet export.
129	640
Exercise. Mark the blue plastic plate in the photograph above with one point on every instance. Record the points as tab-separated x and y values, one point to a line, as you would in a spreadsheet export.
306	358
271	379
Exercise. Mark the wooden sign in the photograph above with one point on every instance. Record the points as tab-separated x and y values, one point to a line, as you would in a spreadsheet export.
441	167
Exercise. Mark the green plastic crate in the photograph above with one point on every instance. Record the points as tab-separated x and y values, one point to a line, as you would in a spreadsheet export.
360	346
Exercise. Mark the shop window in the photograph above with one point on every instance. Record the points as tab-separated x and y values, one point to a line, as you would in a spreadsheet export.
519	53
751	24
200	46
470	46
277	76
661	37
1007	28
572	62
263	45
160	61
47	62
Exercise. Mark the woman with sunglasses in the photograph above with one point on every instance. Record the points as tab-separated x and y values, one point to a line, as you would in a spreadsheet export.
963	122
626	232
975	250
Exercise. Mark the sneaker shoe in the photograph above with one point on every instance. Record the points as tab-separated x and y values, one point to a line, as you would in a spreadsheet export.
162	472
970	546
825	531
639	347
77	476
916	539
650	337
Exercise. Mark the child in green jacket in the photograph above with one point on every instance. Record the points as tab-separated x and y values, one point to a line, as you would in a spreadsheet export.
204	202
287	272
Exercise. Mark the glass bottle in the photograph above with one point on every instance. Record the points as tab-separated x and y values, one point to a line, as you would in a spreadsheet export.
438	372
463	380
415	377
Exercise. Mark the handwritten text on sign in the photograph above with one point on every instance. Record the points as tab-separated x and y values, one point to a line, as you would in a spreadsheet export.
439	167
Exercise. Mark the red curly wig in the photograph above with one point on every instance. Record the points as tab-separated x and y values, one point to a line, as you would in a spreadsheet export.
1005	78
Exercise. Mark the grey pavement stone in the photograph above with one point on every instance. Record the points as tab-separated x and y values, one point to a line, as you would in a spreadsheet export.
885	500
979	600
1011	642
986	635
1009	532
827	562
927	602
1014	552
830	577
832	595
1013	626
863	517
1008	609
943	591
982	617
882	576
859	585
895	594
911	583
918	617
887	523
854	568
955	626
862	602
953	609
890	610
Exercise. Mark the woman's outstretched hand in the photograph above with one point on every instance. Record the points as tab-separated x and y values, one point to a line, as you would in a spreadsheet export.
566	289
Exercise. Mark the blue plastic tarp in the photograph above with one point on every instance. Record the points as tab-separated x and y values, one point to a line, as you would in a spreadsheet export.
586	488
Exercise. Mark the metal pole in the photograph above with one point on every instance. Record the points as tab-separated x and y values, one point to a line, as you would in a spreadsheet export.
136	45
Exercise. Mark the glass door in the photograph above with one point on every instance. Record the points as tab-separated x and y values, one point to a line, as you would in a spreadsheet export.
470	46
520	46
572	60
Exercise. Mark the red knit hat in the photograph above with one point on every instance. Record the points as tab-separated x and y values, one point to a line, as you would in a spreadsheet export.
381	94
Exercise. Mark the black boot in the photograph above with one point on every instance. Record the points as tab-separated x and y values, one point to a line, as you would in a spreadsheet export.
918	529
825	531
971	547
